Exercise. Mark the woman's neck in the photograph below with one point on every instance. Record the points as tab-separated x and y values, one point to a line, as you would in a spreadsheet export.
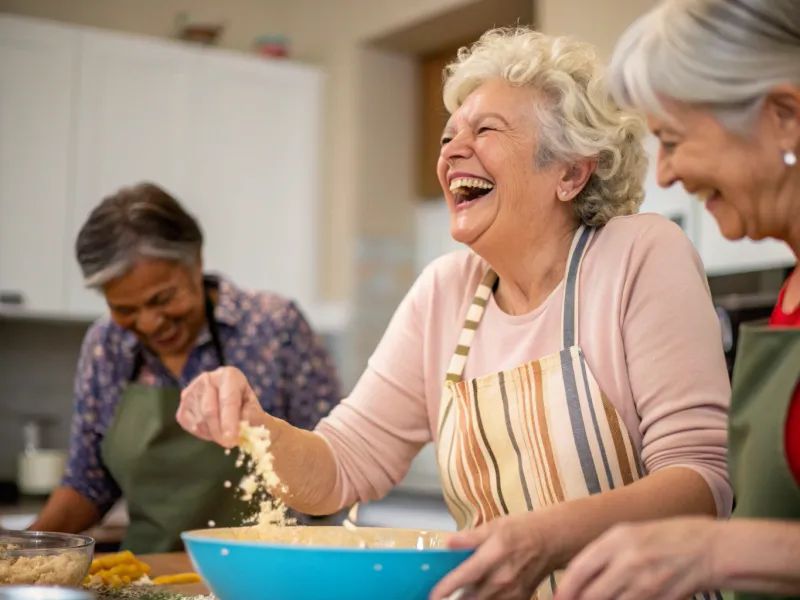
530	271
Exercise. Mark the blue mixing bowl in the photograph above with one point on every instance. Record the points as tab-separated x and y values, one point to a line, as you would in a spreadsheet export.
320	563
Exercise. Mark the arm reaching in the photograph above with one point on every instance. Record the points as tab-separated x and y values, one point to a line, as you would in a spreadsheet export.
214	404
358	452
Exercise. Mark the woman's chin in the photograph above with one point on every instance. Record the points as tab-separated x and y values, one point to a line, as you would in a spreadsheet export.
463	236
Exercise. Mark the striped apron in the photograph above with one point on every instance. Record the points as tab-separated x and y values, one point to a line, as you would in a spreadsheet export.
535	435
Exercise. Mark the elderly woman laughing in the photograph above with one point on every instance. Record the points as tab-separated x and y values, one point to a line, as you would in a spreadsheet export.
568	367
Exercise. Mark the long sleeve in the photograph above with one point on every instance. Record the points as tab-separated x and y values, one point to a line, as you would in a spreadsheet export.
675	361
85	471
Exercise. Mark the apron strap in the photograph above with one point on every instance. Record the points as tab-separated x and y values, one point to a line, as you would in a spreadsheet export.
580	242
455	370
569	316
209	284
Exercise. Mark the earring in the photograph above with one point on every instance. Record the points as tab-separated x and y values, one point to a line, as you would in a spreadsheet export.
563	192
789	158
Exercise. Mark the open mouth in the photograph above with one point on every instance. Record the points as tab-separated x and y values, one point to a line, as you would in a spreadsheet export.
467	190
167	338
708	196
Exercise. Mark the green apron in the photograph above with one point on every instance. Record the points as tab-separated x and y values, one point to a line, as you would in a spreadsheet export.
171	480
766	374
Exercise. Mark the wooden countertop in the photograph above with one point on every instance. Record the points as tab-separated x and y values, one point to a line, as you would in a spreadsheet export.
172	564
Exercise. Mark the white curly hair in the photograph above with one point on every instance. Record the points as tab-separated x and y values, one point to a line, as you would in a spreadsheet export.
579	118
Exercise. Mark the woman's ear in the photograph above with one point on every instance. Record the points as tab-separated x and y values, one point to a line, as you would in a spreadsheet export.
574	178
782	110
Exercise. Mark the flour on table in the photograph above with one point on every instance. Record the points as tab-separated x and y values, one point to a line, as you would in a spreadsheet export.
255	455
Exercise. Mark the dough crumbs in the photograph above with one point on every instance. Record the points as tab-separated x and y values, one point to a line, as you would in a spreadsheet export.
58	569
255	455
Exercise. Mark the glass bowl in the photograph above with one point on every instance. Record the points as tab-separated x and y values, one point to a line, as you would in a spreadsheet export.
44	559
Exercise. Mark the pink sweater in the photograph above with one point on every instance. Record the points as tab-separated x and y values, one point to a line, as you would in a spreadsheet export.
647	328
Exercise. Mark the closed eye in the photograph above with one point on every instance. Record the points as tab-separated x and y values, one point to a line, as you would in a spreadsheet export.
668	147
446	140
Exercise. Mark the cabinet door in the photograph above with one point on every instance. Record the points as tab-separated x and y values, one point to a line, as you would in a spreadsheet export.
134	124
37	76
258	176
722	256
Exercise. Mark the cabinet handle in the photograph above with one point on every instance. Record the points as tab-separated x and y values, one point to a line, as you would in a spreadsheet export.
12	298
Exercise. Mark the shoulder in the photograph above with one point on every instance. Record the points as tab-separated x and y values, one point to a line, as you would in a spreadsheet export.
459	271
261	313
105	340
106	358
637	239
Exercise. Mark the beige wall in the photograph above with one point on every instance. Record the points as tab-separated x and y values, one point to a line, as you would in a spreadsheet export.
601	22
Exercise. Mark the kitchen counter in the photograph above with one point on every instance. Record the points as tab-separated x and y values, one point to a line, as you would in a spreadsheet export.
166	564
403	508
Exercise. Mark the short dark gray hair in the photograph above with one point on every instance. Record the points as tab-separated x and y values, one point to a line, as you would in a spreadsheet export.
142	221
723	55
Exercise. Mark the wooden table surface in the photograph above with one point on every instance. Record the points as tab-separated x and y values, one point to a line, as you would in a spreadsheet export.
172	564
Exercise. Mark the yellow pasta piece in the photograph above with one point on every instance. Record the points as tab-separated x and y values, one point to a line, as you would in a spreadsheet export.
134	571
116	570
178	579
111	560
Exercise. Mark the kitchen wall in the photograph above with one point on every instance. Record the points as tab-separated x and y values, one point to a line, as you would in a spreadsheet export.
37	367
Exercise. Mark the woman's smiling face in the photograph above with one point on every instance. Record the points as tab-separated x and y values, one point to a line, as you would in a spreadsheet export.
487	167
741	178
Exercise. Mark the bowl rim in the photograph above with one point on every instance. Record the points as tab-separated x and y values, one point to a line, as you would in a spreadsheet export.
196	535
84	541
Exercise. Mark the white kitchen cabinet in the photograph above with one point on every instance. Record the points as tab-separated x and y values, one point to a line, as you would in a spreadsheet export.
257	173
235	138
135	123
37	68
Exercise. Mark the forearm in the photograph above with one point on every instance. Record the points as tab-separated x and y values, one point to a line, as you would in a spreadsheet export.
66	512
306	467
666	493
758	556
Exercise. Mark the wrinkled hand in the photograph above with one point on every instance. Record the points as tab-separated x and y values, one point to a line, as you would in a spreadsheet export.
509	562
662	560
215	402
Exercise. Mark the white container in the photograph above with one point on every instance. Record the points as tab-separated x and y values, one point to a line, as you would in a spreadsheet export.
39	471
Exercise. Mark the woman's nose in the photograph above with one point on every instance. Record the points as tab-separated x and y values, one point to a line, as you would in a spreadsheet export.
665	174
149	321
457	147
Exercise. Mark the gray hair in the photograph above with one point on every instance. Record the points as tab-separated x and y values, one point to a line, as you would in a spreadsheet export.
578	118
142	221
724	55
